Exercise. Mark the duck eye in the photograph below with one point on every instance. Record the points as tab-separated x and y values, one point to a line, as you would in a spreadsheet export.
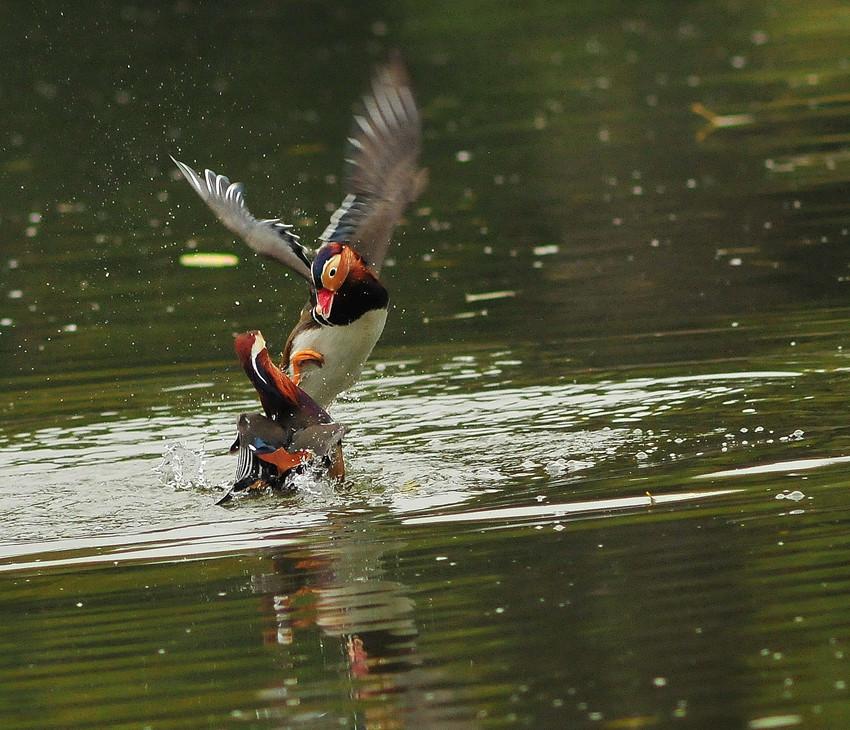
334	272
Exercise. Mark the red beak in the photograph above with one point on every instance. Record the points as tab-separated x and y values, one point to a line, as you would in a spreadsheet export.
324	301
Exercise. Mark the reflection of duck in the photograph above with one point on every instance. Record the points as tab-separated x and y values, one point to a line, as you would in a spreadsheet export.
337	611
295	430
347	309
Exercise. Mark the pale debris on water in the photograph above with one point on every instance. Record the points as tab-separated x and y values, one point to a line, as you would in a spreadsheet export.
545	250
487	296
209	260
774	721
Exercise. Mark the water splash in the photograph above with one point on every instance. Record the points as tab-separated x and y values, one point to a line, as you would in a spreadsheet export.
182	467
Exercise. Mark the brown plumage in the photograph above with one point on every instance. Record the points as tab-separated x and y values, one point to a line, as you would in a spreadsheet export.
294	431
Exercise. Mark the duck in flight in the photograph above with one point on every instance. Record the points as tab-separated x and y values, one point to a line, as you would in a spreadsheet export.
347	307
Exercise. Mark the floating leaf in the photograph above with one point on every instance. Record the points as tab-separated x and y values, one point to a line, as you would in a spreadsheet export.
209	260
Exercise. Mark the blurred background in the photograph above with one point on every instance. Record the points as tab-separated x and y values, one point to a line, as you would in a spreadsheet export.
567	162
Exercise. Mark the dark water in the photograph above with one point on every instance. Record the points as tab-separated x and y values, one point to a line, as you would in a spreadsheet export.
598	460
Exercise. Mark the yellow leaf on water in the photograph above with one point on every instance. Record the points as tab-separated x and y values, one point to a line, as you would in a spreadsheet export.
209	260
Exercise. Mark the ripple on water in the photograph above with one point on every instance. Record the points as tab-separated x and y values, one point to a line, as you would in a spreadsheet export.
412	446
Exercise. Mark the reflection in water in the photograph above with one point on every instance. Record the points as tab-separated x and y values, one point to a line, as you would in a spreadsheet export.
652	656
335	601
635	619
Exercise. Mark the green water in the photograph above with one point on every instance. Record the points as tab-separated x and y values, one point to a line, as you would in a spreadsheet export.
597	461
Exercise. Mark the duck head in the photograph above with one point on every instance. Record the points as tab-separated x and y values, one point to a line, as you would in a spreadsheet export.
281	398
345	287
254	356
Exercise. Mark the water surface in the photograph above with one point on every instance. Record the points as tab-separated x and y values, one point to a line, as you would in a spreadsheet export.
597	463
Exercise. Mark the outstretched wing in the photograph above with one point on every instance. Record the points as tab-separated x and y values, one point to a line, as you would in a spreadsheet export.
383	176
267	237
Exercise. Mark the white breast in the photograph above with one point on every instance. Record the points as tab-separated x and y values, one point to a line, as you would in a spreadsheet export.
345	349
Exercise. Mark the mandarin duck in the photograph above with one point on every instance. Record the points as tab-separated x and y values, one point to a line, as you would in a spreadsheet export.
293	433
347	307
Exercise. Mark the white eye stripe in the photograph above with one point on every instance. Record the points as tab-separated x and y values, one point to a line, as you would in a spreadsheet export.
333	269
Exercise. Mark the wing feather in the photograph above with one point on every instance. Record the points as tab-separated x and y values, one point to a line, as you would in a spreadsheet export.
268	237
383	174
